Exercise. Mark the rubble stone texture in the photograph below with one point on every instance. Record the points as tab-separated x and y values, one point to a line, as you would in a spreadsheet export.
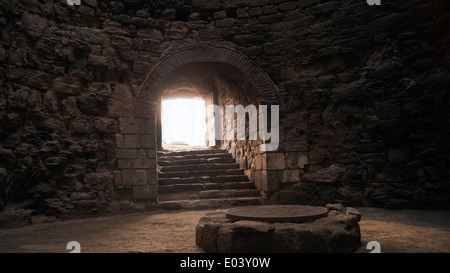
363	94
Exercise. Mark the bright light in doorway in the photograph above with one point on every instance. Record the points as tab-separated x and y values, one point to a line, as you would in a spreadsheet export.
183	122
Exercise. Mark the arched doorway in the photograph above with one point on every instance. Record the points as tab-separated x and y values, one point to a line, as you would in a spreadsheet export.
219	75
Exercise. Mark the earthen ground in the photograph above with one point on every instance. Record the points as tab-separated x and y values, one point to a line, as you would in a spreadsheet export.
402	231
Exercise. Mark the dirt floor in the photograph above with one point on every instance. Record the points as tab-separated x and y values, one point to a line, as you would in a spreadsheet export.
403	231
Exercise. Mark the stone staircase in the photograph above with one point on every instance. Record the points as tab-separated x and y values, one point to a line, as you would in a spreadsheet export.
203	179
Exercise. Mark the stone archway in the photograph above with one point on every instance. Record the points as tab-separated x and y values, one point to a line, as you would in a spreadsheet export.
258	86
140	133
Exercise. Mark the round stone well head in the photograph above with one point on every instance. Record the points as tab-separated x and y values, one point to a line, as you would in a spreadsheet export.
280	228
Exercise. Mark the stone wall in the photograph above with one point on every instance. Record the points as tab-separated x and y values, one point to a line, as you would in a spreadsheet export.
136	158
363	92
368	111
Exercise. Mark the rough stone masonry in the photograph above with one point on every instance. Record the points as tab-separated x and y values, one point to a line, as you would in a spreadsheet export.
363	94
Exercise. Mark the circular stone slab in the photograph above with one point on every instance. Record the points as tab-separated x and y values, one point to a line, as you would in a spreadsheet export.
277	213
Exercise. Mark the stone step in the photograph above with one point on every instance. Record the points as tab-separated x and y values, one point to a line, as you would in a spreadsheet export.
196	173
163	189
206	166
171	162
178	195
191	152
212	203
193	157
187	178
203	179
208	194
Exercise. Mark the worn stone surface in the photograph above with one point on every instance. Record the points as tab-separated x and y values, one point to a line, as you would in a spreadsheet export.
333	174
147	192
277	213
